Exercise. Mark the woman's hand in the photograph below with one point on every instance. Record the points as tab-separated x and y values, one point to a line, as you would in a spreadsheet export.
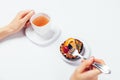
86	71
21	20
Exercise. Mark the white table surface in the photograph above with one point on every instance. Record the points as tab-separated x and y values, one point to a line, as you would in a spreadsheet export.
95	21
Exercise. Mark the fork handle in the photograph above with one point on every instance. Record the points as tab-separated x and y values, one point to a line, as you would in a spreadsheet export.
103	68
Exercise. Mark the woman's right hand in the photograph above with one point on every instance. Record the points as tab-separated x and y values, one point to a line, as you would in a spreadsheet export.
86	71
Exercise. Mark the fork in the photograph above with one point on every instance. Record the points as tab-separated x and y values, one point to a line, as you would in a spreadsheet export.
103	68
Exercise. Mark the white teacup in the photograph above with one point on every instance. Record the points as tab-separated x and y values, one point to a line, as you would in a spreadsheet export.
45	30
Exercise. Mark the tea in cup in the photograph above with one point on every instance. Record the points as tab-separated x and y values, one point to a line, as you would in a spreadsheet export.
41	24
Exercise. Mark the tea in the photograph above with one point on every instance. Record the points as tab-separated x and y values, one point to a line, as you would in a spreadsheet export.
41	24
40	21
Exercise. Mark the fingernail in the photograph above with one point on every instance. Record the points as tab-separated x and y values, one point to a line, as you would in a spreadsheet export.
82	60
32	11
92	57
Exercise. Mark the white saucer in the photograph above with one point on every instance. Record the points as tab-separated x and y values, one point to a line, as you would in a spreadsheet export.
35	38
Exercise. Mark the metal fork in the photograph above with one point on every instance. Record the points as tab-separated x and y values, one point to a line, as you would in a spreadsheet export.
103	68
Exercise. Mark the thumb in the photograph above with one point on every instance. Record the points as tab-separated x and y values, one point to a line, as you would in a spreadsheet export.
85	64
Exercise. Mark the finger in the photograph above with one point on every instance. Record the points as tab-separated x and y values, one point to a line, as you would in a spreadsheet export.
21	14
99	61
85	65
94	72
28	16
27	24
83	60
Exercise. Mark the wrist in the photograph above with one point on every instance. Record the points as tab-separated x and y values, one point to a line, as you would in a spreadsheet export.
8	30
5	31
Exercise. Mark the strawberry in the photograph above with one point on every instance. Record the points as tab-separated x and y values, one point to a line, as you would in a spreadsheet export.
65	49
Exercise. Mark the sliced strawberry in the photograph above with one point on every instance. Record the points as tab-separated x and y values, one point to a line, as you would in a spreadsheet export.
65	49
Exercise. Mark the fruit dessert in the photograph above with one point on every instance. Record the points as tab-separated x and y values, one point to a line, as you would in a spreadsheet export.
69	46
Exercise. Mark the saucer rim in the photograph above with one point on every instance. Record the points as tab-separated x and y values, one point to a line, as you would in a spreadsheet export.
29	30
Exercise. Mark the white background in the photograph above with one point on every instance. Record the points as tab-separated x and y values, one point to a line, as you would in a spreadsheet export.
96	21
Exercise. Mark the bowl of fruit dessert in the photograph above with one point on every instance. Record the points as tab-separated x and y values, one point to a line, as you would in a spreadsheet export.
69	46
